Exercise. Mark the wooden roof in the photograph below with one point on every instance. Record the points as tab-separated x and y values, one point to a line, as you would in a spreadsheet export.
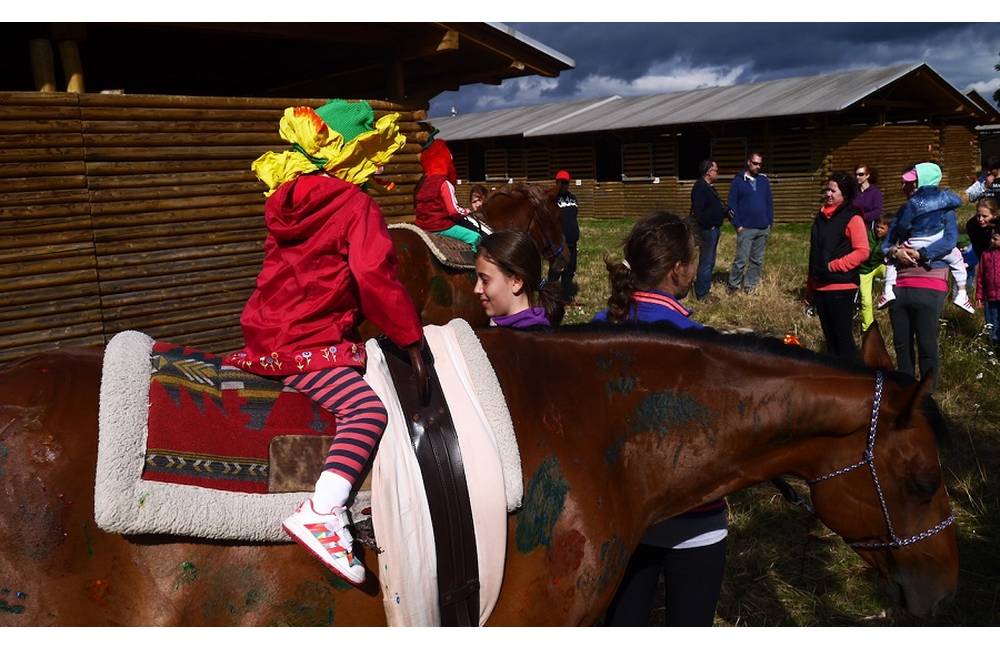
397	61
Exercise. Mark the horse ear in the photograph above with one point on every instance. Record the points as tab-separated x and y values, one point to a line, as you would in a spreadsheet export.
873	351
920	391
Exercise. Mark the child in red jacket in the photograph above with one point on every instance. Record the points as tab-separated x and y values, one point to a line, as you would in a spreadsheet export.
328	264
988	286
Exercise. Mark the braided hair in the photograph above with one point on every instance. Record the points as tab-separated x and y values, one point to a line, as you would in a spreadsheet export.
656	243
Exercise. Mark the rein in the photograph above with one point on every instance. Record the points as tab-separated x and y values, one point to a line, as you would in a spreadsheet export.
868	458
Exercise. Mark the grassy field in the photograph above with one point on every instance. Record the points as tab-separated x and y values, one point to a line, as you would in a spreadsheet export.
783	566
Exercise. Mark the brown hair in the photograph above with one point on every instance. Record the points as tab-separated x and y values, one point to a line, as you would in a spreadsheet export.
846	183
480	190
656	243
872	173
989	204
516	255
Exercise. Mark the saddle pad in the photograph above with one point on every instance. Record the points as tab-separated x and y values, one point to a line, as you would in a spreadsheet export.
400	515
210	425
138	491
125	502
448	250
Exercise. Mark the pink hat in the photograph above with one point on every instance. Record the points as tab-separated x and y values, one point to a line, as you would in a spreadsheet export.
910	176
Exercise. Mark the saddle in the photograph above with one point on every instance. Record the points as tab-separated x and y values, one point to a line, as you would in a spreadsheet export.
297	460
449	251
227	454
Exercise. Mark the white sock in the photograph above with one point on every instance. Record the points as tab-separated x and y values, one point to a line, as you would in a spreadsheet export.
961	295
888	292
331	492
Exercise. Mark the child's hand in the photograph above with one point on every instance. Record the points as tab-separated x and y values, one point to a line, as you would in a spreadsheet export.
979	303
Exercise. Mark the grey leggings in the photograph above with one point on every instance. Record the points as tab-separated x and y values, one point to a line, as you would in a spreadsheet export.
914	315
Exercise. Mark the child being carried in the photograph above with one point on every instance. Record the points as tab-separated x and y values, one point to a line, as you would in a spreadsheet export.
920	224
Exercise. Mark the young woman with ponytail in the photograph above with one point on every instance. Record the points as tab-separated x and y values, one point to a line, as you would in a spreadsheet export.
690	549
509	282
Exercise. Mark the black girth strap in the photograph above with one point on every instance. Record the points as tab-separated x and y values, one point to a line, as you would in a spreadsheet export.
435	443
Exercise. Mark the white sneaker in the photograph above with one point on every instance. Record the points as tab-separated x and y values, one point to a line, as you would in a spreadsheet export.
326	537
962	300
885	299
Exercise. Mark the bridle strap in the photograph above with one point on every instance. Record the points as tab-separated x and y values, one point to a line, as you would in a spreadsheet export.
868	458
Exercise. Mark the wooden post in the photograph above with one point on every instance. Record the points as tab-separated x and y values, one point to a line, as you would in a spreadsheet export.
69	54
43	67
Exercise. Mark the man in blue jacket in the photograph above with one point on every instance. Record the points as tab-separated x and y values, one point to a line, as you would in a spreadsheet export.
752	209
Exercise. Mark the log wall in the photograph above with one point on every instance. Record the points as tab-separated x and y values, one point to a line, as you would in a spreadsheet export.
140	212
797	163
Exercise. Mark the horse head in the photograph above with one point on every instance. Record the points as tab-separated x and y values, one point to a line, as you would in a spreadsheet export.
534	210
887	498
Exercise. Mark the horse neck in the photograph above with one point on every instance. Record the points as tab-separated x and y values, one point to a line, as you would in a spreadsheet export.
755	416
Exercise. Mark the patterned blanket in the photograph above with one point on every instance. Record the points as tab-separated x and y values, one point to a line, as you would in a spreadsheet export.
210	425
450	252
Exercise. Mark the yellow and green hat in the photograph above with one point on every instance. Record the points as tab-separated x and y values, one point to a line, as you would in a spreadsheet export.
341	138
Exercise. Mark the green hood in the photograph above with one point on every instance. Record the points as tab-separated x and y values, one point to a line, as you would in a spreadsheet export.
928	174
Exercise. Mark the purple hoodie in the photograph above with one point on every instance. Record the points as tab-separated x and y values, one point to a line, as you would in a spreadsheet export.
528	318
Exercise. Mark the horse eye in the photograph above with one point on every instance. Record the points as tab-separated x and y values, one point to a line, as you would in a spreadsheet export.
923	486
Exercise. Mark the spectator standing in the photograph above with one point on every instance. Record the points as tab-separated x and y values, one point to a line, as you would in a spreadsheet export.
982	225
987	185
988	287
838	246
872	270
709	213
921	289
689	550
571	231
869	198
752	208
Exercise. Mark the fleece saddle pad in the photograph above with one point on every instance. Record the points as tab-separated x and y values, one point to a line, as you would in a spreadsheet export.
197	464
448	250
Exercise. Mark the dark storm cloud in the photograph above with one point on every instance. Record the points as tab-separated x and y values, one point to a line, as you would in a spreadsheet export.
625	56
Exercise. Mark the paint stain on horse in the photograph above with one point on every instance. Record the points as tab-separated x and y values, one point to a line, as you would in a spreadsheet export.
610	564
666	410
189	573
440	292
543	504
566	554
97	590
621	386
312	606
47	451
4	453
12	608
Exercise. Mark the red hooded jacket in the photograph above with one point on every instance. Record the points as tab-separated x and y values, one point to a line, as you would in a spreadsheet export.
432	205
328	264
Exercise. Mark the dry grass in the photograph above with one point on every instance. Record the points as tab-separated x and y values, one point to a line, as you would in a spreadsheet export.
783	566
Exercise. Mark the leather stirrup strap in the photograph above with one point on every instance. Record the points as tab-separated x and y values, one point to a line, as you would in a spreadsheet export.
432	434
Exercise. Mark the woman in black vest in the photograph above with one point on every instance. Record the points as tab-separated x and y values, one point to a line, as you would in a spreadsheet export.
838	246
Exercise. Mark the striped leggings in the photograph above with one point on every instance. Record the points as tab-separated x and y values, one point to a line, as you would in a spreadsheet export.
358	411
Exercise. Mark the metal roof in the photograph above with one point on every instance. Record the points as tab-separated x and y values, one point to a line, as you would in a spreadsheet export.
794	96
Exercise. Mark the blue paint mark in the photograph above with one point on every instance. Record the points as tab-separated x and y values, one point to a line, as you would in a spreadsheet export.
543	504
622	386
661	412
3	456
11	609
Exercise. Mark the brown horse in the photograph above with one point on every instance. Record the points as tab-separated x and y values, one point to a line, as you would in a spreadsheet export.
672	419
534	210
442	293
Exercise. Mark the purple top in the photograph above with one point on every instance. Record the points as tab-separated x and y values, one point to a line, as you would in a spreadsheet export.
528	318
869	203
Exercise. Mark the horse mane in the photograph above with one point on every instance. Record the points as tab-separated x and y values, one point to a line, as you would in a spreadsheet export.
750	342
765	345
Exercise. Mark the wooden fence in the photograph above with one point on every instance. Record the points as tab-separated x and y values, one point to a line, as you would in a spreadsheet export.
796	164
140	212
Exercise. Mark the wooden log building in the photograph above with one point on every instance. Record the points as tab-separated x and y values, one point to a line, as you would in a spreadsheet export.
137	209
632	155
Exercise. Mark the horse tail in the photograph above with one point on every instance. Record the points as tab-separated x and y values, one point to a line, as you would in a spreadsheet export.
623	285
